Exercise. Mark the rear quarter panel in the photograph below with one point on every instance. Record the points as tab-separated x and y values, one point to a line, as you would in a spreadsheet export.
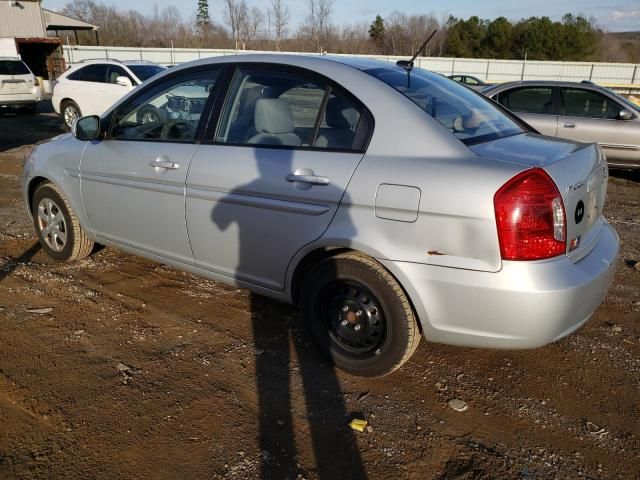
455	225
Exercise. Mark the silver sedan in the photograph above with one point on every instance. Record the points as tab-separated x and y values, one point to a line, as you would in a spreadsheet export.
577	111
389	202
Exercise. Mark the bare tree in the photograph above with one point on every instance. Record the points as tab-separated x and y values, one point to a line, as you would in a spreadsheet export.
253	24
235	14
317	23
279	14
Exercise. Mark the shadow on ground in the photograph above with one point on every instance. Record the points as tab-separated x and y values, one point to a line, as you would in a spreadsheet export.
18	128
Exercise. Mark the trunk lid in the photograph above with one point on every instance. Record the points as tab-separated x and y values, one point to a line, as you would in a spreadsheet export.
579	171
16	84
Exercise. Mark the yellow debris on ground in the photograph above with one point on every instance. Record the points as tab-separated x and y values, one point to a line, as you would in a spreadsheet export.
358	424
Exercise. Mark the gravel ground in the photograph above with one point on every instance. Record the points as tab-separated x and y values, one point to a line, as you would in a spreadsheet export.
116	367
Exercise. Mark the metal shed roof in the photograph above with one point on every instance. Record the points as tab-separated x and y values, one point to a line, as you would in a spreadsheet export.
57	21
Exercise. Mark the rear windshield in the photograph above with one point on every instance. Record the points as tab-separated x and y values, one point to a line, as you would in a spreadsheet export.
466	114
144	72
13	67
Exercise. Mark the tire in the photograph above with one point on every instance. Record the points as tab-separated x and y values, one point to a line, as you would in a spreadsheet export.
69	111
372	343
67	240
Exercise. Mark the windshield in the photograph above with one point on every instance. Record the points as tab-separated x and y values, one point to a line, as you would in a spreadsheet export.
13	67
628	103
145	72
467	115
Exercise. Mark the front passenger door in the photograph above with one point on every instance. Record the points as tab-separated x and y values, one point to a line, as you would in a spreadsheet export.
133	181
590	116
111	91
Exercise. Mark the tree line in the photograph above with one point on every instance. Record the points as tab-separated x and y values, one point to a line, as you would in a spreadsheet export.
245	26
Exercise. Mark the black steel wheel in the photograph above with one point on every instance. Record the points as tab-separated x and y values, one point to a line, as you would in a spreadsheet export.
358	315
352	317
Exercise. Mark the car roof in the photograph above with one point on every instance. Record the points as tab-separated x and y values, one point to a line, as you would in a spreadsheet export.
543	83
301	60
113	61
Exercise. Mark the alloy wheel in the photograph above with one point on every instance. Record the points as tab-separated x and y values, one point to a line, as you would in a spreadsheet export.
52	225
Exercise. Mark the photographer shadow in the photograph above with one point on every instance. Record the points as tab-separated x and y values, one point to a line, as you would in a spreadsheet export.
276	337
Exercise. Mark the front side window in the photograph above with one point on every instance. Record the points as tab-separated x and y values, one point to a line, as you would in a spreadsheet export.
13	67
145	72
469	116
96	73
116	71
538	100
270	107
586	103
170	112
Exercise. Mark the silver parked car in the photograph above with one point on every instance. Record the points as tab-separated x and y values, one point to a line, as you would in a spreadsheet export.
577	111
389	202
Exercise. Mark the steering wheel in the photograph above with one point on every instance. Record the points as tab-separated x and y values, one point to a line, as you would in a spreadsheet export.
178	130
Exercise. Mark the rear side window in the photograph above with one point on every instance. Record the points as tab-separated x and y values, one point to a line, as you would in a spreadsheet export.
289	109
96	73
470	81
585	103
537	100
470	117
13	67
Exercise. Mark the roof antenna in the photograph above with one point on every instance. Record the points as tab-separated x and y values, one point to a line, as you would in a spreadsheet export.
408	65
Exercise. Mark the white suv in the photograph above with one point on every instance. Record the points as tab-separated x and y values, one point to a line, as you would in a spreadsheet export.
18	85
91	87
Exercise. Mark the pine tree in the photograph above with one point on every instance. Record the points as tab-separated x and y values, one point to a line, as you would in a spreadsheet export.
376	30
202	17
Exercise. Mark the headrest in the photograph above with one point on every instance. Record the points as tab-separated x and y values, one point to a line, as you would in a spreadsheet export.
341	114
273	115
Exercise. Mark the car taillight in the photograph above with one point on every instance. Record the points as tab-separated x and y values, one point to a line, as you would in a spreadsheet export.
530	217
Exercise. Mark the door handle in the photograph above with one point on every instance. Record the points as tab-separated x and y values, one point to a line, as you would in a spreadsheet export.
310	179
159	163
569	125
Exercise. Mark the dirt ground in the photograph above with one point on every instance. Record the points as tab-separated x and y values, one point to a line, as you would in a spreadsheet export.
116	367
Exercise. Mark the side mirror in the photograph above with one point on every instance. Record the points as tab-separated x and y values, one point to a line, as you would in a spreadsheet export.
124	82
86	128
625	115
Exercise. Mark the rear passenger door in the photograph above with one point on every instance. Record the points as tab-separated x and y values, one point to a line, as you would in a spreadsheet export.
273	172
533	104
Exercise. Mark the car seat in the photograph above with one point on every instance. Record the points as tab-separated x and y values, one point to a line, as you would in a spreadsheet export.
342	119
273	121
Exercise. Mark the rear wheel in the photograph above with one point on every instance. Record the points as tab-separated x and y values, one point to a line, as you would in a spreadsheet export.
358	315
58	228
70	112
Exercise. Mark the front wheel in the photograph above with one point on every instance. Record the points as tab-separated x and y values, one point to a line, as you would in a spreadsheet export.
358	315
58	229
70	113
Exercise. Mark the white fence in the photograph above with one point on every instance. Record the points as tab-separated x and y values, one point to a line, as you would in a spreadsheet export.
614	74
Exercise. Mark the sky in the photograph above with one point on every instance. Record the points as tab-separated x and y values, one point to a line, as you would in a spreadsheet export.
612	15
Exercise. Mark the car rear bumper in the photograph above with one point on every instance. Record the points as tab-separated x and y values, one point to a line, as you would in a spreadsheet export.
20	99
524	305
